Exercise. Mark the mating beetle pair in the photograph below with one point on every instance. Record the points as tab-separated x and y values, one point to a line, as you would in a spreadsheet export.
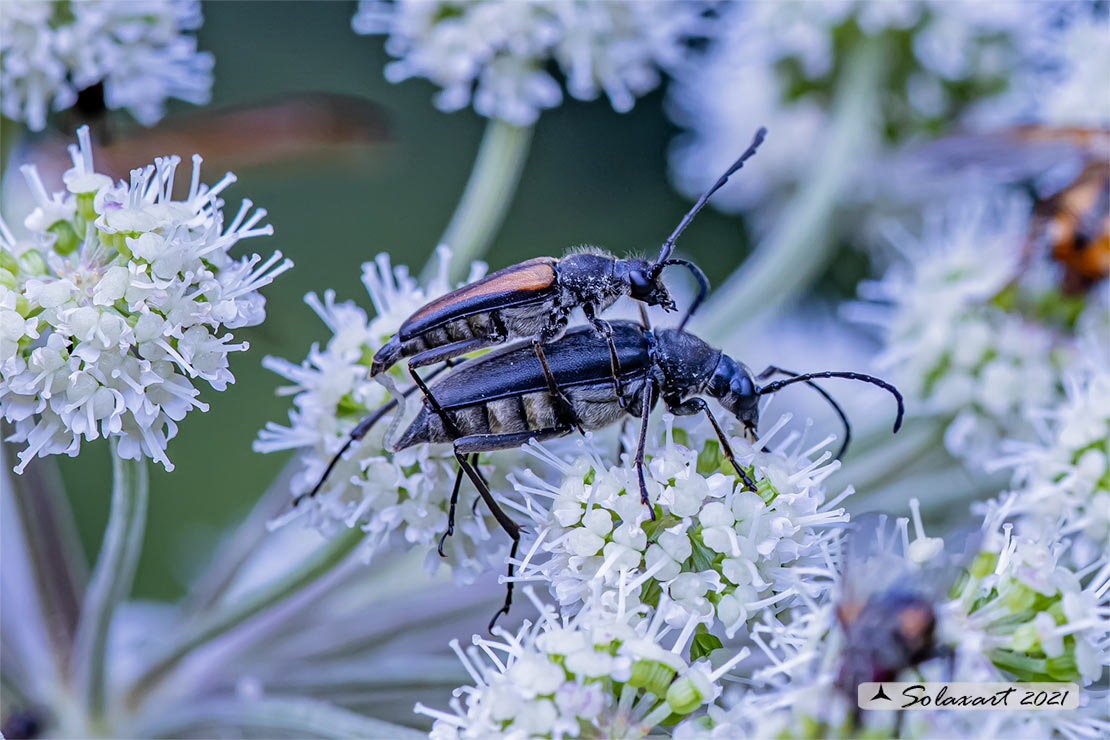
559	381
501	400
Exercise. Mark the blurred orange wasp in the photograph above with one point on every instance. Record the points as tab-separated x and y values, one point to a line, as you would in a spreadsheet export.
1066	169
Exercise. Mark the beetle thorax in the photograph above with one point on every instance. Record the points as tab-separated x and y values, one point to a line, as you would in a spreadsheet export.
590	278
685	362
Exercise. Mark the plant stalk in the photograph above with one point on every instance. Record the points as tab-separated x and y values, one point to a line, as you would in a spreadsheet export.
795	253
488	194
111	581
225	617
275	716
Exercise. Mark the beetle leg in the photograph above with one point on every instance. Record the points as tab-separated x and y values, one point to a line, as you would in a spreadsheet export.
451	511
510	441
474	462
645	412
448	422
693	406
447	352
537	344
603	328
360	431
511	528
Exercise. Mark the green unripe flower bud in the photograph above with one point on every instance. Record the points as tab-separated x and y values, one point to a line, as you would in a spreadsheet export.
651	675
984	564
1025	638
7	278
689	692
85	206
67	240
32	262
8	261
1019	598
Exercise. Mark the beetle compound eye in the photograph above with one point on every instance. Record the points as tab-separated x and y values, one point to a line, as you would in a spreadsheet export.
641	285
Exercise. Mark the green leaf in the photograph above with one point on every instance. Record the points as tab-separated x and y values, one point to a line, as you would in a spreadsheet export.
704	643
702	556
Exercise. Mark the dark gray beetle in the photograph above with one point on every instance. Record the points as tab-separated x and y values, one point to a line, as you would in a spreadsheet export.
534	299
501	400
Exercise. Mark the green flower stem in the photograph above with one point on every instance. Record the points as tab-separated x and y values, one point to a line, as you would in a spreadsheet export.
111	579
11	132
488	194
213	624
274	716
56	562
794	254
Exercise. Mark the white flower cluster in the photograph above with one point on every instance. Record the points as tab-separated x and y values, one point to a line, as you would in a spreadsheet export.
1063	478
777	64
1023	612
139	50
400	497
1015	614
950	343
495	53
115	305
721	554
601	673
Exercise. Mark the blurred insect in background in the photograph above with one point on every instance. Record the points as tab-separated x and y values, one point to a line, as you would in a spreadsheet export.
887	609
532	299
1066	170
296	126
501	400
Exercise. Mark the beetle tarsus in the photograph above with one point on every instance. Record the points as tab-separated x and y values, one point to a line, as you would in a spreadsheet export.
451	511
508	586
645	412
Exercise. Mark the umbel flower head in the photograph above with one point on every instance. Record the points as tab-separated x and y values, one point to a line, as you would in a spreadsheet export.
1063	478
601	673
141	52
1023	612
400	497
720	554
496	53
1013	613
779	64
118	303
951	342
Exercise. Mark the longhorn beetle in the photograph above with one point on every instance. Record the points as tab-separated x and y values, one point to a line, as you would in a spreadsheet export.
501	400
535	298
532	299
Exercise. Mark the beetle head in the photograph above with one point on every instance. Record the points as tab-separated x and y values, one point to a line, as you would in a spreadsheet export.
733	386
644	284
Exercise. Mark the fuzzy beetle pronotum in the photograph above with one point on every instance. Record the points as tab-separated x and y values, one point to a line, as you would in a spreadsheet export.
501	400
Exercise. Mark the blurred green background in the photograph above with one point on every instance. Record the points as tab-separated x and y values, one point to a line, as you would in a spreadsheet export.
593	176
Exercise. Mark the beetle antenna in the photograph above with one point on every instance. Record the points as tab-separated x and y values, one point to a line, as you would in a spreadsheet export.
668	246
824	394
703	286
779	384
